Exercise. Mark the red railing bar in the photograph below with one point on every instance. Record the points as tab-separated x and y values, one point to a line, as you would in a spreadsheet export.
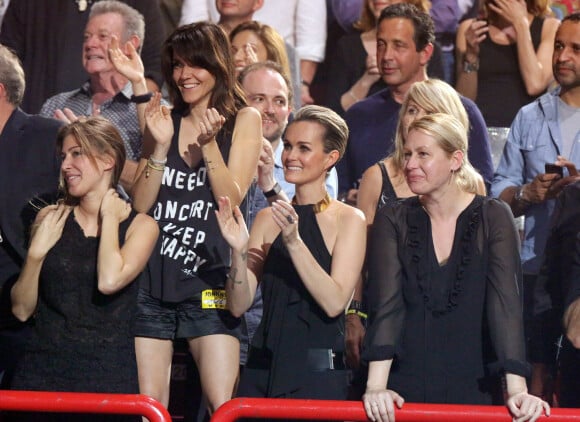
121	404
354	411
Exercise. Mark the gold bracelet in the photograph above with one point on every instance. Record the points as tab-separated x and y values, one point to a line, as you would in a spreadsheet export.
152	165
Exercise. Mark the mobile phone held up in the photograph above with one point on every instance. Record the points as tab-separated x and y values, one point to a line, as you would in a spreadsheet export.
553	168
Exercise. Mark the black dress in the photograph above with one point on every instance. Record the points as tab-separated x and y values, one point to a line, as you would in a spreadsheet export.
82	339
294	328
434	319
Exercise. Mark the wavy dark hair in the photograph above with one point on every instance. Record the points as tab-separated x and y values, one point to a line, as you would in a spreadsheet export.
205	45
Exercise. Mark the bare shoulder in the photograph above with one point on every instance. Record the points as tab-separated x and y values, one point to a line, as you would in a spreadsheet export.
143	222
372	174
249	114
550	27
349	215
264	226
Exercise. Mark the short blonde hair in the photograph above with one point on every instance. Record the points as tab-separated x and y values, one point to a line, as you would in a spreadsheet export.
451	136
434	96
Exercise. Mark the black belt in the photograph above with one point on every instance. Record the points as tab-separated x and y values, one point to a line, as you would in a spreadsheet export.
324	359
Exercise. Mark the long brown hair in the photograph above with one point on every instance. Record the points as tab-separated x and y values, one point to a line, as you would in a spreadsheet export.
206	45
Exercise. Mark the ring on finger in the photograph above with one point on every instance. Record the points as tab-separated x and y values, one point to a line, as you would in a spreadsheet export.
290	219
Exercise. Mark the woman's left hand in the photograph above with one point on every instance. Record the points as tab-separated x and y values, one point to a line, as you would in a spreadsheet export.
210	125
287	219
526	407
114	206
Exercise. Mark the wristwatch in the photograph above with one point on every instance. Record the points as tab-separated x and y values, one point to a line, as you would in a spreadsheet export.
469	67
519	195
274	191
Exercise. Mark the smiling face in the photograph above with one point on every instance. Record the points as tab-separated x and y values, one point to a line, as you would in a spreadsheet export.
97	38
79	171
239	45
428	168
303	158
267	91
193	82
566	57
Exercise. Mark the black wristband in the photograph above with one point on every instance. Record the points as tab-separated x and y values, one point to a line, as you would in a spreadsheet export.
355	305
141	99
274	191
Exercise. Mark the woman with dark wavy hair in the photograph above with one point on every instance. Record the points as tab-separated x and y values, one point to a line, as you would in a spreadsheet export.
206	147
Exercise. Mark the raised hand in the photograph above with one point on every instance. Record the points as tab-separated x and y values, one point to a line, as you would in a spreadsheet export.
47	229
286	218
232	224
158	121
513	11
210	125
266	163
114	207
474	36
127	63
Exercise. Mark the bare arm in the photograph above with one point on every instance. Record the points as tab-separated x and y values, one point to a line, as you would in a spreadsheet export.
48	227
360	89
331	291
156	143
535	66
116	266
469	36
234	179
266	179
247	255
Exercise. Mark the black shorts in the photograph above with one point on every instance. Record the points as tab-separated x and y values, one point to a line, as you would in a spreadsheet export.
187	319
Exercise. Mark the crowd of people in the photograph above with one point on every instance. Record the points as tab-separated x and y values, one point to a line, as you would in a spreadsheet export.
304	194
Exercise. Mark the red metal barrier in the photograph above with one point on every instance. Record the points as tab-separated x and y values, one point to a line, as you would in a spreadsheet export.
120	404
354	411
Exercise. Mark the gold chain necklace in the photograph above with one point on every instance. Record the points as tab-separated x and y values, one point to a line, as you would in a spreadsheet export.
320	205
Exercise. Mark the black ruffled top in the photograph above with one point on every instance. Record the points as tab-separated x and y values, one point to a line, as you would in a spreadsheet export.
445	325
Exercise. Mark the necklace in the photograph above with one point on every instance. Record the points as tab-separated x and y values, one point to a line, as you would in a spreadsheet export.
320	205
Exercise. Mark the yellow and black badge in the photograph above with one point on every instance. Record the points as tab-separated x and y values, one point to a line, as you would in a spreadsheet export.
213	299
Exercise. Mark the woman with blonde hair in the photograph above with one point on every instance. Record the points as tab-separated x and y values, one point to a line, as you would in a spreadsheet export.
384	184
355	74
444	275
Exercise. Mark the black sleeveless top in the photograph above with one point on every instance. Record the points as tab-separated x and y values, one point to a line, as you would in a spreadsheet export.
82	339
388	195
292	322
191	254
500	88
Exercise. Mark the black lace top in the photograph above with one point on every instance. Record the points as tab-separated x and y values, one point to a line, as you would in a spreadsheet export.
82	339
434	319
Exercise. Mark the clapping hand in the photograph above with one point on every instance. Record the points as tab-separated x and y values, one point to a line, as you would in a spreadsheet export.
232	224
210	125
47	229
158	121
127	63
